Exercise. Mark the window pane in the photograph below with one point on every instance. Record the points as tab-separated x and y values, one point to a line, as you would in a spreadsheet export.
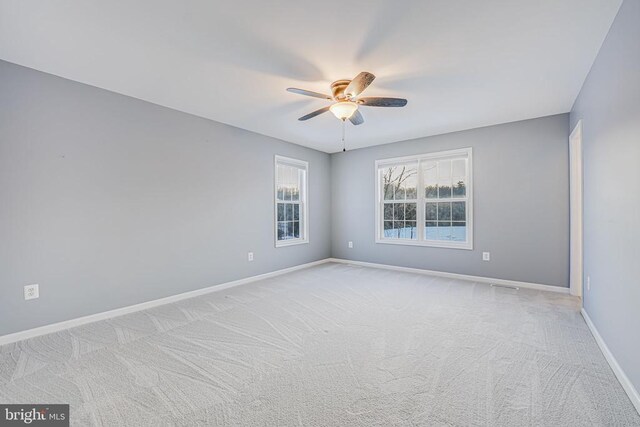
392	229
298	179
290	230
397	179
410	186
288	182
388	182
444	179
444	230
410	212
296	229
431	191
398	211
430	171
458	167
444	189
431	211
388	211
459	187
409	231
280	182
289	212
458	211
280	211
459	231
398	226
430	174
431	230
444	170
388	191
281	230
444	211
296	212
411	193
388	229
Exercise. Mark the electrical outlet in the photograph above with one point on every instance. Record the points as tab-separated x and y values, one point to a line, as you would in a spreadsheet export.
486	256
31	292
350	245
588	283
250	256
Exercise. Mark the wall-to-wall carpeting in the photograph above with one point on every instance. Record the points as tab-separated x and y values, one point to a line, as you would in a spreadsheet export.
330	345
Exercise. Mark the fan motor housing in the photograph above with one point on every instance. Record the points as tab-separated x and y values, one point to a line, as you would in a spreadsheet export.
337	89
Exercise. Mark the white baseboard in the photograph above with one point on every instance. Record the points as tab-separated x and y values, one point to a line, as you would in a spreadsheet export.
615	367
72	323
480	279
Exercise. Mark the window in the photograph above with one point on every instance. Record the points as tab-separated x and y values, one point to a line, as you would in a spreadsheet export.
425	200
291	201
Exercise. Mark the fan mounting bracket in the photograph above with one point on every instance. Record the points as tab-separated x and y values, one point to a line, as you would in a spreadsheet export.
337	89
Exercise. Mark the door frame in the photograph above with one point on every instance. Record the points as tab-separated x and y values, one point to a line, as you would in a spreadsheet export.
576	268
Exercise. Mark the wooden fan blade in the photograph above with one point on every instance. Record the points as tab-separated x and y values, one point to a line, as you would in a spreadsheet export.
382	102
358	84
356	118
314	113
308	93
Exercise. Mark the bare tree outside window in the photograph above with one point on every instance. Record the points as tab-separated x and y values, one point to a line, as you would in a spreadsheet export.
400	201
426	199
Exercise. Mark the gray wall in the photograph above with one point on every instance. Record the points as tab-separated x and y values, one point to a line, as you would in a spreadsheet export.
609	105
107	201
521	203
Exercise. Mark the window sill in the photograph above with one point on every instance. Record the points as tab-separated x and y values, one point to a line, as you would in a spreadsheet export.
444	245
292	242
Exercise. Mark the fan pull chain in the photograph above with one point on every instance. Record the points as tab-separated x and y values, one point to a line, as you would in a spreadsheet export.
343	144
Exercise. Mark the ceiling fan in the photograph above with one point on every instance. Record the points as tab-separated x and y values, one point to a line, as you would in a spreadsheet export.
345	94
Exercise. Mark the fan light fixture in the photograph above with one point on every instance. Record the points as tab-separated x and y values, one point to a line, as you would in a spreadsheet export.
343	110
346	95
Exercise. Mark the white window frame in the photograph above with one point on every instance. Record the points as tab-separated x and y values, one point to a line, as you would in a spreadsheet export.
420	214
303	202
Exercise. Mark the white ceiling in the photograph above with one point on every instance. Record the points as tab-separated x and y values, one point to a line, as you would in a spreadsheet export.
460	63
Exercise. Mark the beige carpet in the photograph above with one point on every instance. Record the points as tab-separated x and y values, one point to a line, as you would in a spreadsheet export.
329	346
